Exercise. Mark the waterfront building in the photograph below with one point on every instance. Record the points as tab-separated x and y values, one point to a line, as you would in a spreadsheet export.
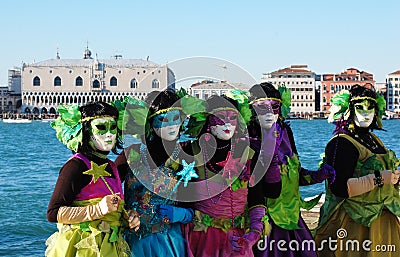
10	95
14	101
333	83
206	88
393	91
3	98
48	83
301	82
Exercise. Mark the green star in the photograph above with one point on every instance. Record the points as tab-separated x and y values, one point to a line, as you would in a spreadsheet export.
97	171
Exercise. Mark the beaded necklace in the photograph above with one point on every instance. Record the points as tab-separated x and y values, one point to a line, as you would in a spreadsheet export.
100	155
369	142
211	167
143	153
161	169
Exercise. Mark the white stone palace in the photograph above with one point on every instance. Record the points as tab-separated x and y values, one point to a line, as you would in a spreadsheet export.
47	84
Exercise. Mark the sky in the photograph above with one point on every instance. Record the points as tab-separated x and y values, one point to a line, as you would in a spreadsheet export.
260	36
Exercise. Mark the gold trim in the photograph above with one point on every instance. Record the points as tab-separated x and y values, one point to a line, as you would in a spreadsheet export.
363	98
165	110
96	117
263	99
224	109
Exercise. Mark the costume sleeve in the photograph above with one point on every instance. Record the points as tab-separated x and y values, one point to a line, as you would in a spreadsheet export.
257	194
342	155
122	165
69	183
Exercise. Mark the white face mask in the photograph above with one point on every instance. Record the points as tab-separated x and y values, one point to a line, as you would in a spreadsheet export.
223	132
267	120
168	133
364	114
104	133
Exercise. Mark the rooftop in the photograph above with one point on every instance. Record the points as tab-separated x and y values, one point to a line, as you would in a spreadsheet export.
89	62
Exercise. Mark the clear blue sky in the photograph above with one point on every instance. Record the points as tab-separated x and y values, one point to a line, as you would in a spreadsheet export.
260	36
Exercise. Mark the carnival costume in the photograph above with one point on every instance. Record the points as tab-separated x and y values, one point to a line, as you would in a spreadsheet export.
364	201
88	201
220	211
155	174
283	209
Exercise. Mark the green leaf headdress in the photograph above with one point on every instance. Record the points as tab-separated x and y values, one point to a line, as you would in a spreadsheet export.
242	98
133	114
286	100
340	106
68	126
381	103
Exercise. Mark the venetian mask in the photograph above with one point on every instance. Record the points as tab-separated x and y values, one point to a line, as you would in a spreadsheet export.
103	133
267	112
364	113
166	125
223	124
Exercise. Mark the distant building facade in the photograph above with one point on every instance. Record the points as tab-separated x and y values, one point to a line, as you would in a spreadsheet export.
393	91
49	83
301	82
14	102
206	88
3	98
333	83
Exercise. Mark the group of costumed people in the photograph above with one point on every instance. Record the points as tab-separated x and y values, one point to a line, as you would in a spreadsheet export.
218	177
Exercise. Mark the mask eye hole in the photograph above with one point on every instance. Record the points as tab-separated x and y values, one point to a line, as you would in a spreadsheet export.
176	117
101	127
113	126
358	107
262	107
233	117
163	119
220	116
276	107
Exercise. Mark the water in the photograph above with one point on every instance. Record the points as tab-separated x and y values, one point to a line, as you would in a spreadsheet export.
31	158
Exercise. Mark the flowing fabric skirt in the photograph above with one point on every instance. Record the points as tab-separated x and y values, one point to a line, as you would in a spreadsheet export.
169	243
381	239
71	241
287	243
213	243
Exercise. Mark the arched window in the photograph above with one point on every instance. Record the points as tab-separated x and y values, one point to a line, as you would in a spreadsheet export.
113	82
78	81
155	84
133	83
36	81
57	81
96	84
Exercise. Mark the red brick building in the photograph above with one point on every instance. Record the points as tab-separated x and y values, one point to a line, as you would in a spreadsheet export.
333	83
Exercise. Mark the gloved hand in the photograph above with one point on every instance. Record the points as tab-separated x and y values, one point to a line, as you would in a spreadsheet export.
325	172
133	220
390	177
175	214
73	215
244	243
361	185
